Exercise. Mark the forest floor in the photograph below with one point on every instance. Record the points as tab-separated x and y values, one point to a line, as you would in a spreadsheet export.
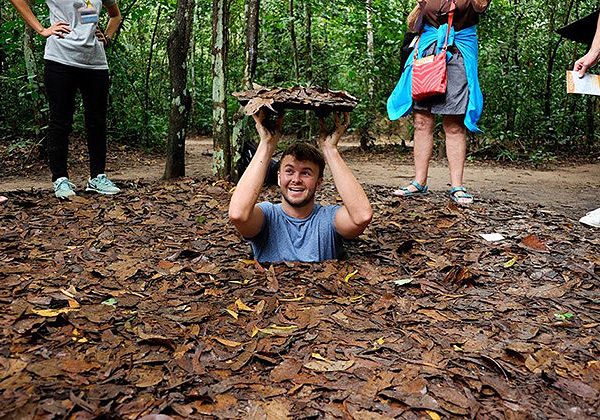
148	303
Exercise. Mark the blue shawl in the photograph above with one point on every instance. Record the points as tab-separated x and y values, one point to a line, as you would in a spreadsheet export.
400	101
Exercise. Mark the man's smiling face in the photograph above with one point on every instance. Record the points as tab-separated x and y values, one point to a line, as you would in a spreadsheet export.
298	181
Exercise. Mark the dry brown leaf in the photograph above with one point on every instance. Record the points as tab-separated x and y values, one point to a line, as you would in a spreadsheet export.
234	314
149	377
459	275
228	343
329	365
278	329
242	306
541	360
577	387
534	243
50	313
78	366
255	104
286	370
11	367
433	314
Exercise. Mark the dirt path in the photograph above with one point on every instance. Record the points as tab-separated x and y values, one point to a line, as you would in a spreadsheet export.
566	188
573	189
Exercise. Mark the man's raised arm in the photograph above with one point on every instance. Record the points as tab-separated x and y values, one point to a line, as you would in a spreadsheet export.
246	216
355	215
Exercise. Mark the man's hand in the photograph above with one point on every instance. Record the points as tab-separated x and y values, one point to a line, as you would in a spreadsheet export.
584	63
270	133
60	29
332	139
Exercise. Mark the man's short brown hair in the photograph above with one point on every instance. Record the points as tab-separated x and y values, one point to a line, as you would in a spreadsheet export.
306	152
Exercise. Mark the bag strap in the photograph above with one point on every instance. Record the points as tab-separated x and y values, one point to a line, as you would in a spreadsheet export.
450	22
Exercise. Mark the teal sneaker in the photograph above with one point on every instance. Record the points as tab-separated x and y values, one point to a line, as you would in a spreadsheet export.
102	185
63	188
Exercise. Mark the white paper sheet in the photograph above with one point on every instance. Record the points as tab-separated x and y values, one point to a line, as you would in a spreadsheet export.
492	237
589	84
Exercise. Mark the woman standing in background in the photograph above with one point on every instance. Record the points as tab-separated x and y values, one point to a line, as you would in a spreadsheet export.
75	60
460	107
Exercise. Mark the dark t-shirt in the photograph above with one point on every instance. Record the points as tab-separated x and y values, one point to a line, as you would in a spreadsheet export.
435	13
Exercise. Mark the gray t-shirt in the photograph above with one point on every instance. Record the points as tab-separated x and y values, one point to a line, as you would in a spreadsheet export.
80	47
285	238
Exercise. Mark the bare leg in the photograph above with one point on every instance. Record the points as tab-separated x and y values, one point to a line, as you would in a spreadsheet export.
424	124
456	151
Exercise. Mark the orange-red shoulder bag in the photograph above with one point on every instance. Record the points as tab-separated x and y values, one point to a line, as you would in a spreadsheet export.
429	74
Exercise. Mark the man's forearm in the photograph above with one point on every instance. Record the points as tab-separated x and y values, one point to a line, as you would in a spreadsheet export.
250	184
354	197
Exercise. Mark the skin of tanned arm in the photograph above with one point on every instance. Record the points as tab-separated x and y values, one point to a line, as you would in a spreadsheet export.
355	215
245	215
592	57
59	29
114	20
481	5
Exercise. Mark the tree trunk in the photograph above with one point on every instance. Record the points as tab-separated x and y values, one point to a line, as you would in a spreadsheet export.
365	137
552	51
370	49
252	26
550	62
292	28
193	61
512	60
240	132
178	47
221	143
309	57
308	40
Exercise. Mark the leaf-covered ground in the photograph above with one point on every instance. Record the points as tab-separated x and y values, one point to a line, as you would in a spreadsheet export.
147	303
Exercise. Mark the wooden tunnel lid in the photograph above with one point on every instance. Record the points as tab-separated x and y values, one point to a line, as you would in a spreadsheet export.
317	99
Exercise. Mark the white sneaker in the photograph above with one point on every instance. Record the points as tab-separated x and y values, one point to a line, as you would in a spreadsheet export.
63	188
592	218
102	185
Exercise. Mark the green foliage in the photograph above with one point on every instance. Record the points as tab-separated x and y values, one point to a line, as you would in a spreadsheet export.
527	113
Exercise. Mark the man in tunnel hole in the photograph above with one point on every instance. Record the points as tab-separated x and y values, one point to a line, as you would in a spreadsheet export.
298	228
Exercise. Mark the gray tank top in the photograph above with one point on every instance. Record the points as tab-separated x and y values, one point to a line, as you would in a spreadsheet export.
79	48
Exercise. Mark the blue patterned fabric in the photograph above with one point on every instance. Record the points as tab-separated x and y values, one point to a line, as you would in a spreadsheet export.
400	102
